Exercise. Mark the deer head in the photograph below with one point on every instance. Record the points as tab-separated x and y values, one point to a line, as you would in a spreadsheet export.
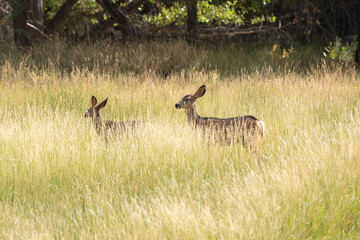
94	111
187	101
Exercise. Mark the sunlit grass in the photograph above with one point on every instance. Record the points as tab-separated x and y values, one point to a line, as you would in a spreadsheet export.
58	179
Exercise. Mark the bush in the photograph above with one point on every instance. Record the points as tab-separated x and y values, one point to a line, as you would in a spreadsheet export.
340	51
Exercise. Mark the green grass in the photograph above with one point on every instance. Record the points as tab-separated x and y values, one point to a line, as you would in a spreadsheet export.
58	179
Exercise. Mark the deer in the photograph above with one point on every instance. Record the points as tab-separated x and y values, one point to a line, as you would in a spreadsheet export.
247	129
106	127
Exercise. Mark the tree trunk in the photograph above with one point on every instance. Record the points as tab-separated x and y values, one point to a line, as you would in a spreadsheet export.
191	20
36	18
61	16
19	18
120	17
104	25
357	54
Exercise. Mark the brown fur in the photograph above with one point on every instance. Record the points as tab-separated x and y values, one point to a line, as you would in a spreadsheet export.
247	129
109	127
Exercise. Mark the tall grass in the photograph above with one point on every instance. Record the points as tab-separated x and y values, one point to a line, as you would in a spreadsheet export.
58	179
164	59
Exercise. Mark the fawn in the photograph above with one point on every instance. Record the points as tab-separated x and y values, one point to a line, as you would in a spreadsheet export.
107	127
247	128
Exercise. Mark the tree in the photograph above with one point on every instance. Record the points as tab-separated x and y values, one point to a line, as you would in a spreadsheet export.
28	21
61	16
120	17
19	18
192	20
36	18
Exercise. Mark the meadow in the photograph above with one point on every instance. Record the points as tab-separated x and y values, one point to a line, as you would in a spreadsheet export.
59	180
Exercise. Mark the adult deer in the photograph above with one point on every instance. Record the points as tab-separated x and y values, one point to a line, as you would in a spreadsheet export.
247	128
107	127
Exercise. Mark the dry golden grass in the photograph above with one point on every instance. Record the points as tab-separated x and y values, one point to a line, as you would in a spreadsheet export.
58	179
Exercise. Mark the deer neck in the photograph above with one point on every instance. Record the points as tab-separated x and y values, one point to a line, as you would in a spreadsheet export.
192	116
98	123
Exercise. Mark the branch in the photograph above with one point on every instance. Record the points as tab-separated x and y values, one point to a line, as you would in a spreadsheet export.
119	16
131	6
213	32
60	16
38	30
4	10
102	26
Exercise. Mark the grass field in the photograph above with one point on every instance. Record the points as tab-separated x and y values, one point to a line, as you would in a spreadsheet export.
58	179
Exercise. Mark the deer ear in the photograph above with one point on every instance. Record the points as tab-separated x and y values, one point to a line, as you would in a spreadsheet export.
200	92
93	101
102	104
